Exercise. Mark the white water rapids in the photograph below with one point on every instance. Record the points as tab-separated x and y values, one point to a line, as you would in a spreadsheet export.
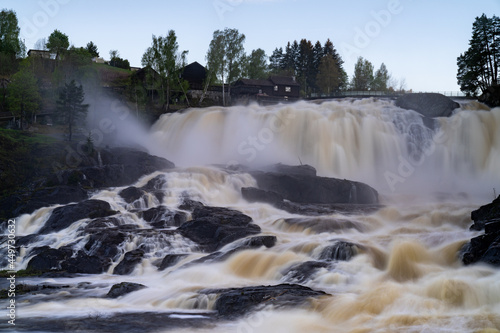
407	276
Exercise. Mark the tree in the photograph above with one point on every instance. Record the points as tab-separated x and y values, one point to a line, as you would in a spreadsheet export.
381	79
363	75
23	95
70	105
329	78
276	61
478	67
92	48
257	65
57	43
10	43
164	58
225	57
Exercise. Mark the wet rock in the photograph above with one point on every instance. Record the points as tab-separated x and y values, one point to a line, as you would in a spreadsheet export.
340	250
105	244
129	261
162	217
214	227
83	263
322	224
485	213
305	188
247	244
131	194
430	105
190	205
486	247
63	217
48	259
170	260
300	273
252	194
235	302
124	288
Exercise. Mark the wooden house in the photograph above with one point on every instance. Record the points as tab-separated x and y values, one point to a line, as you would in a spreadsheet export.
195	74
274	89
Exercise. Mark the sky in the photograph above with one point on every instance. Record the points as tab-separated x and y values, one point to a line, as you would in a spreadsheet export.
418	40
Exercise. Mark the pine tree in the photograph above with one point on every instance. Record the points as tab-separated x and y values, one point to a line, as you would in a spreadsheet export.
70	105
478	67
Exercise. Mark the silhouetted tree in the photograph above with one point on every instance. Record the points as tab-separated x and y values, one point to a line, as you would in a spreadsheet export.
92	48
70	107
478	67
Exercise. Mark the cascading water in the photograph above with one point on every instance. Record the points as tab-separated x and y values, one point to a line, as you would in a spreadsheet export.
403	272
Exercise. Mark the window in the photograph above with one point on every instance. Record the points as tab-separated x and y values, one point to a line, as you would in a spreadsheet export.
288	89
275	88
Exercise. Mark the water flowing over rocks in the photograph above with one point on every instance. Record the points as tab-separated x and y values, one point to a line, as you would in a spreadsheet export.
486	247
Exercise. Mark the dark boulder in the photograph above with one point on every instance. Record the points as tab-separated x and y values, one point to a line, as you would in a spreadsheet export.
48	259
124	288
214	227
339	250
83	263
429	105
170	260
491	96
129	261
162	217
131	194
300	273
235	302
485	213
486	247
63	217
309	189
105	243
252	194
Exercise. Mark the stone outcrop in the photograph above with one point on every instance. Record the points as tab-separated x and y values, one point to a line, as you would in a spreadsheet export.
486	247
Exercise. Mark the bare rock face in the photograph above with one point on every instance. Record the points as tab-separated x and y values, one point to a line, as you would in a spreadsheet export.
486	247
430	105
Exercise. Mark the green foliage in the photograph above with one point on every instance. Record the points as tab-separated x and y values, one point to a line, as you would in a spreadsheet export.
328	78
57	43
256	65
164	58
304	59
478	67
381	79
363	75
10	43
226	56
23	97
92	49
70	105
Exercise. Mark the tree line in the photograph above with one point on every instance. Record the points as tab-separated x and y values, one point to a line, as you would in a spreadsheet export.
317	67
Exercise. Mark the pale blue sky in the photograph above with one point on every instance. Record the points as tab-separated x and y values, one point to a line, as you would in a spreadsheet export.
417	40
